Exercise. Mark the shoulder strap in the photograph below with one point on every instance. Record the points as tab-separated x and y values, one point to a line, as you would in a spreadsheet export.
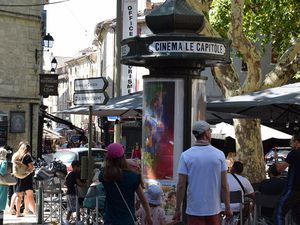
240	183
125	201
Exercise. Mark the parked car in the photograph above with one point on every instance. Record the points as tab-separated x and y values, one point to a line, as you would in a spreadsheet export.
70	154
282	153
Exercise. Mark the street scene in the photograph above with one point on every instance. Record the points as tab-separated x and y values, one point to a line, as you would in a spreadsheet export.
150	112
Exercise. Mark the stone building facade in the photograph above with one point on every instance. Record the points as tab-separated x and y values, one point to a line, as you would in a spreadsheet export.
20	35
82	66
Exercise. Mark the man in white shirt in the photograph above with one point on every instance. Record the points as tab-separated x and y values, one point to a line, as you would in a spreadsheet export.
234	177
237	182
203	168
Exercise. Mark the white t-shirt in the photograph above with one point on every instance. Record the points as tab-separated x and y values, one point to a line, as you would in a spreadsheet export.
203	166
235	186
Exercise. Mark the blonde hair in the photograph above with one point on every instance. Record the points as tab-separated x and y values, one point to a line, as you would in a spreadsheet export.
24	148
3	153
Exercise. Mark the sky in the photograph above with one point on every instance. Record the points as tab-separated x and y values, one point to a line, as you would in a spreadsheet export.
72	23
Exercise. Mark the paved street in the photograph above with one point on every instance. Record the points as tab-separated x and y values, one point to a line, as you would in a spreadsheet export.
13	220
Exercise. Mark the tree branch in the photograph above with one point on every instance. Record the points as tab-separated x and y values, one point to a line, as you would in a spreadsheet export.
227	79
287	66
224	75
250	53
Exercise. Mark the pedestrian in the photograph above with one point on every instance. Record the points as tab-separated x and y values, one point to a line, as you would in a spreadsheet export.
136	152
24	185
203	169
73	179
154	195
290	198
3	188
237	182
120	184
273	186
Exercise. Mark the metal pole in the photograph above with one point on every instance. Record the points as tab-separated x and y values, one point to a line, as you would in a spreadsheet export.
90	164
60	202
40	209
117	133
97	208
40	129
118	48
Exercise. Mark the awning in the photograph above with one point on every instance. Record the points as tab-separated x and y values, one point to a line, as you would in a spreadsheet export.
132	106
223	130
276	107
124	106
50	134
62	121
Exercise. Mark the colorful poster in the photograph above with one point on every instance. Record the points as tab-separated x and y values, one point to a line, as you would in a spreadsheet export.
158	127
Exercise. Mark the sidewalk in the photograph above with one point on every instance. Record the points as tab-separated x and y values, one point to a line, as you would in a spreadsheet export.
26	220
13	220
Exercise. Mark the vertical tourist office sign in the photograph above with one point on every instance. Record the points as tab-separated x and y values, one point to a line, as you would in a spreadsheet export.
90	92
129	29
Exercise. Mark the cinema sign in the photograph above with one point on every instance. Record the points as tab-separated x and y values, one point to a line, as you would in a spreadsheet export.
210	50
187	47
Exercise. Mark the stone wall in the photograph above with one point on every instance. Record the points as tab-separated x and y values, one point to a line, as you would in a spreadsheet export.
20	36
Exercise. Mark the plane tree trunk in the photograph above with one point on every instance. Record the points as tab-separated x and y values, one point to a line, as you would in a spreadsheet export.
249	148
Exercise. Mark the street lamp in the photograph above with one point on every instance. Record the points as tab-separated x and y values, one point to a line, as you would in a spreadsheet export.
48	41
53	65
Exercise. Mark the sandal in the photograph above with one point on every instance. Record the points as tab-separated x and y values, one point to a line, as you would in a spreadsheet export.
27	212
12	212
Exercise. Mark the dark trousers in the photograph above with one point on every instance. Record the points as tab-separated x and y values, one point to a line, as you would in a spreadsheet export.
289	200
1	217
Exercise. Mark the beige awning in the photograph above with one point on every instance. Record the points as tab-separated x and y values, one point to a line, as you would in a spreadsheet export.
50	134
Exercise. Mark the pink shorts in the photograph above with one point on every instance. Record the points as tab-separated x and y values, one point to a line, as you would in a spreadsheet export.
204	220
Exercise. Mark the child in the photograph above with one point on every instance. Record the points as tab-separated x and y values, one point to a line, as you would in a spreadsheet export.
73	179
153	195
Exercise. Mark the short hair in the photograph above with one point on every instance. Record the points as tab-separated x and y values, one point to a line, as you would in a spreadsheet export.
75	163
273	170
197	135
296	136
238	167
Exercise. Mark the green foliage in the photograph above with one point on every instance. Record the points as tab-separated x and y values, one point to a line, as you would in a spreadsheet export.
265	21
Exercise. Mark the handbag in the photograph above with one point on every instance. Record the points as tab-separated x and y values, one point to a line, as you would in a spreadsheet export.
134	221
8	180
20	170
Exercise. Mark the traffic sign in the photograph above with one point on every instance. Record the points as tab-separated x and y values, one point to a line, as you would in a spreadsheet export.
90	84
90	98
